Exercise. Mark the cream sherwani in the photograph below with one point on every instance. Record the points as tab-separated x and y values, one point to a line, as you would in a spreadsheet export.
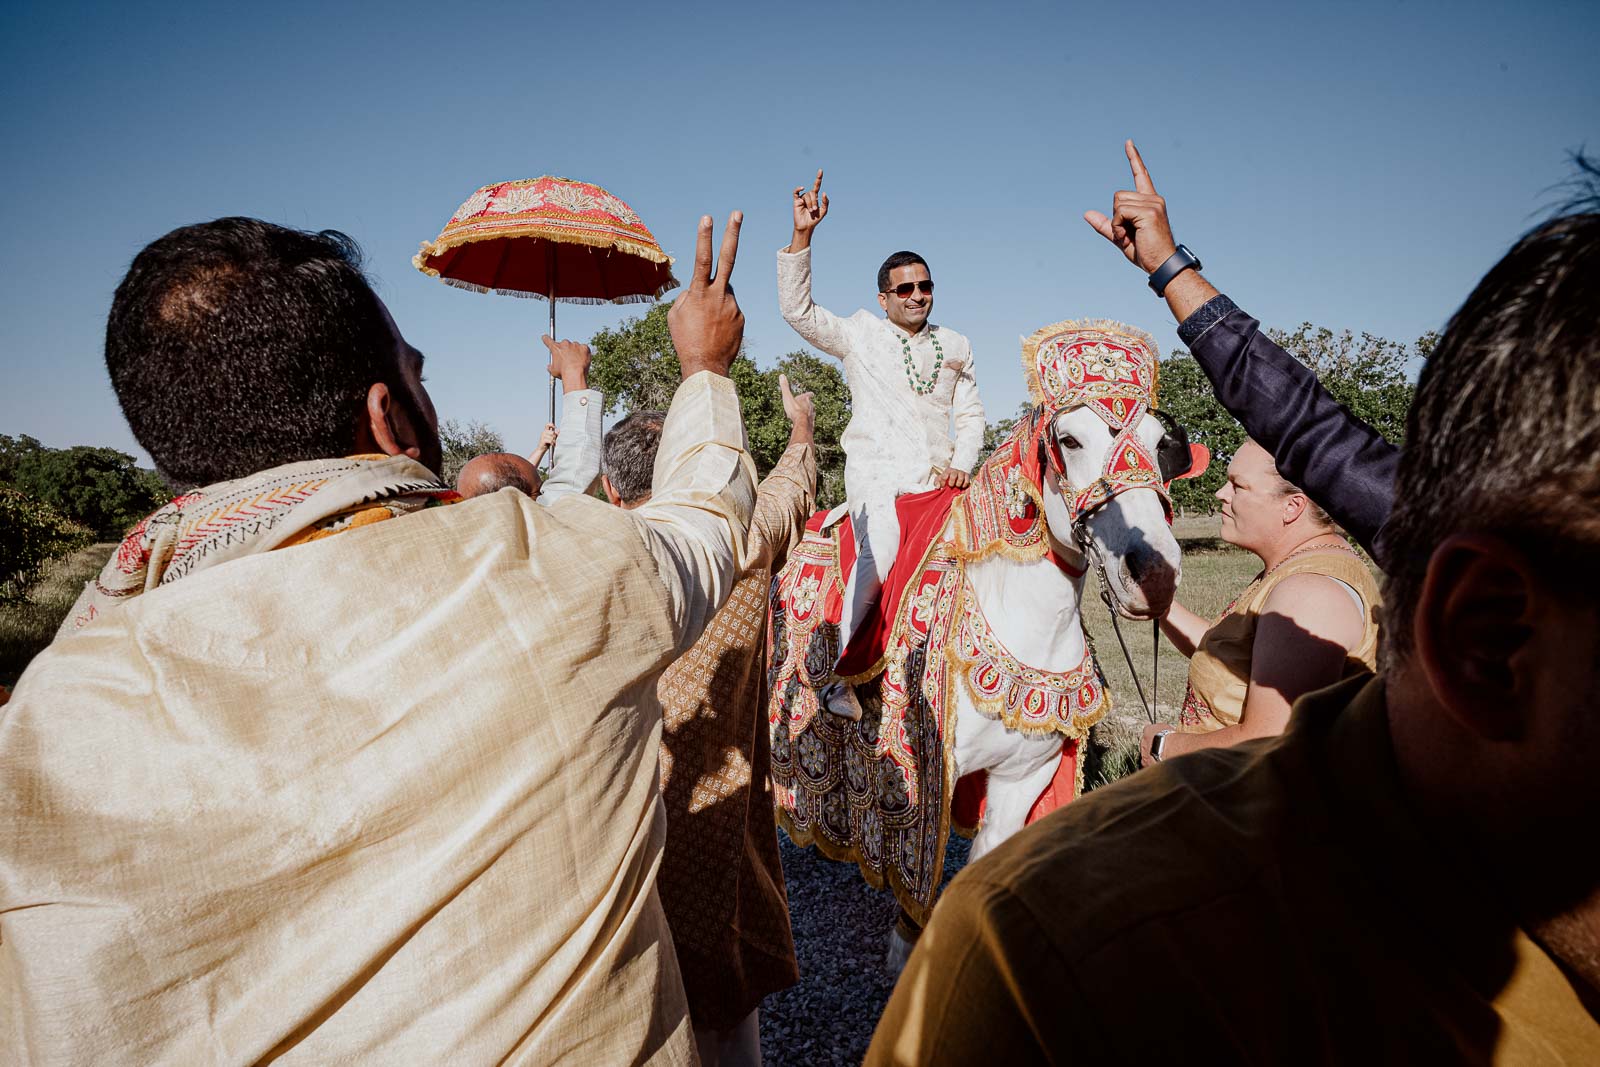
898	441
577	452
386	797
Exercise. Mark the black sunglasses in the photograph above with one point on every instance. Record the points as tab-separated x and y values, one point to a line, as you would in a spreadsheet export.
905	289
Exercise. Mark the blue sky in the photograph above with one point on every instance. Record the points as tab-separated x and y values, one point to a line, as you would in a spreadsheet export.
1355	165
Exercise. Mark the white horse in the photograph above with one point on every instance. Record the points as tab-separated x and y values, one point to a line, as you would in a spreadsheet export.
1084	481
1034	609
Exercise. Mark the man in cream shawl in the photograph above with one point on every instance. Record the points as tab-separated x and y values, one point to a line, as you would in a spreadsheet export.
380	785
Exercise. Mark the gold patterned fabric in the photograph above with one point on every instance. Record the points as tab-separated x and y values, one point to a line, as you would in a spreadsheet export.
389	796
1276	902
1219	670
721	880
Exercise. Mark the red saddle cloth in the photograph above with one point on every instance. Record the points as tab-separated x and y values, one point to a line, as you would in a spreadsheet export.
922	517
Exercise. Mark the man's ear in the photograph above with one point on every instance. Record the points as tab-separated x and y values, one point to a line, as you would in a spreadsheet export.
387	426
611	493
1473	631
1294	505
883	301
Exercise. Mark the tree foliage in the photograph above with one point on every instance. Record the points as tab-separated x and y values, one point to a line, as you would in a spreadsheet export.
636	366
462	441
100	488
995	432
31	534
1365	373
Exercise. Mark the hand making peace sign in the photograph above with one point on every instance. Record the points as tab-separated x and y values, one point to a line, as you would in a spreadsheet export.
1138	223
705	321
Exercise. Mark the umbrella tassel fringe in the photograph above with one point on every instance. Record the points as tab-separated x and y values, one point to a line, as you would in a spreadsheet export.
639	298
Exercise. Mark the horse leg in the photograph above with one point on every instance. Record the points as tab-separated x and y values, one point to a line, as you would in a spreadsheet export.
1014	786
902	939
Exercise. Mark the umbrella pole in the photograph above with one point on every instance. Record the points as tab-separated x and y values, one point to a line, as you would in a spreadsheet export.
552	419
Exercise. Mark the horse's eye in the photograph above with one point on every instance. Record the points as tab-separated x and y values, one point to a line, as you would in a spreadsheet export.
1069	441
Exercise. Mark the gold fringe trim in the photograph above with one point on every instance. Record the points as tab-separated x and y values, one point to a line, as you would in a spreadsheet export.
889	878
1030	349
994	707
961	540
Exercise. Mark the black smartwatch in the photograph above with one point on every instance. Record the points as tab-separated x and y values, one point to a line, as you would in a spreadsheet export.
1176	264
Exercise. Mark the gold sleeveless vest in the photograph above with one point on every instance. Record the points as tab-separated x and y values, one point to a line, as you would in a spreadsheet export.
1219	670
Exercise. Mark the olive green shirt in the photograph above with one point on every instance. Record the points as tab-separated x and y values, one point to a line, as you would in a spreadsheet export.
1276	902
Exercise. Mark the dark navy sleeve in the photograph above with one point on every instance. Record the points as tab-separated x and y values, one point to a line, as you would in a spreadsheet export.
1342	463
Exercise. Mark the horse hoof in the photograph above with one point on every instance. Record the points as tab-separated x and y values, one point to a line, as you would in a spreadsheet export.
899	954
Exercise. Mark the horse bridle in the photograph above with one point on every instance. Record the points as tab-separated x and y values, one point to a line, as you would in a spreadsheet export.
1173	460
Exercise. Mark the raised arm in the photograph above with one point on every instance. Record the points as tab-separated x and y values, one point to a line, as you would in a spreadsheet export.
704	482
820	327
577	462
1341	462
785	497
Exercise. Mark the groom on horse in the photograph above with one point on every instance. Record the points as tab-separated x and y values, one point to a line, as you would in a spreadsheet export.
909	379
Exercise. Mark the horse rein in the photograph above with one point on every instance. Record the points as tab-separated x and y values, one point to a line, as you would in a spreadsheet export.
1100	493
1091	555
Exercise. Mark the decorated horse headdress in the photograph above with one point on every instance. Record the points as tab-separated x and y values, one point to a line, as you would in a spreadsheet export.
1112	370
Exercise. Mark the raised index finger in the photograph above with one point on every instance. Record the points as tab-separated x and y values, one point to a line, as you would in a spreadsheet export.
818	183
702	255
1141	177
730	248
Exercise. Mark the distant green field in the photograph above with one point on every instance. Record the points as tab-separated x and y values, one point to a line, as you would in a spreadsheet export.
25	629
1213	573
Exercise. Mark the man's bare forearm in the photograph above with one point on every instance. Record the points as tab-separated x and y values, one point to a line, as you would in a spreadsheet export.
1187	293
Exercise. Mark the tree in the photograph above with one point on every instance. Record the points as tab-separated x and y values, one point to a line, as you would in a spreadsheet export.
636	367
31	535
13	450
1367	374
462	442
1185	394
996	432
100	488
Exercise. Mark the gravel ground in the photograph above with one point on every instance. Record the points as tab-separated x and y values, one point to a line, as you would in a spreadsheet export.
841	933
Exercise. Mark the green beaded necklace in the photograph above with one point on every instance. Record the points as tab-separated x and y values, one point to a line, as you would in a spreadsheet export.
920	385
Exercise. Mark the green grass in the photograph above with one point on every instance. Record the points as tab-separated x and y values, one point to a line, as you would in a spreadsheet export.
25	629
1214	572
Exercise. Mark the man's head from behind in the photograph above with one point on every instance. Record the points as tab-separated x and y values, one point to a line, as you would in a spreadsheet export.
905	290
629	458
1492	635
236	345
494	471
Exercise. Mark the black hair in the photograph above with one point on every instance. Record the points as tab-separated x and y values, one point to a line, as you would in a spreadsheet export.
1504	433
899	259
629	454
237	345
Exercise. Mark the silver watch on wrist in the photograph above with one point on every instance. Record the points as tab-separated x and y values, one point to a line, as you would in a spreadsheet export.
1158	743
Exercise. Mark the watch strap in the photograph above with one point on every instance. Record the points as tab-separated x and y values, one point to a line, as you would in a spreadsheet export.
1180	260
1158	744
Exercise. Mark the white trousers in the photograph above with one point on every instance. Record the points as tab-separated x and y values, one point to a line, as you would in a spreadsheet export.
877	532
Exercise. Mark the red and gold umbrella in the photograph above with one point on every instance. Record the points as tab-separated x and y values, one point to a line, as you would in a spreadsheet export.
553	238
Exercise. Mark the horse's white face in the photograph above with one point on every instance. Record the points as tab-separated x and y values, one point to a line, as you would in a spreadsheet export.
1141	556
